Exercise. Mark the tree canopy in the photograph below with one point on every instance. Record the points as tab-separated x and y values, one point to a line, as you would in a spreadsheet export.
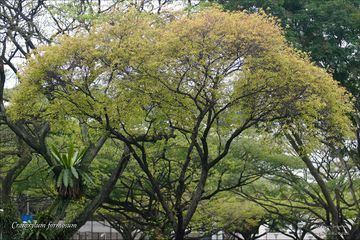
159	122
204	78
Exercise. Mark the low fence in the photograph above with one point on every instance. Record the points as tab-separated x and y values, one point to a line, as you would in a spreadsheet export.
117	236
97	236
101	230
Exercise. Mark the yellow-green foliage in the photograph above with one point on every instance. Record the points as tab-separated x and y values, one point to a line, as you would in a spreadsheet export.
230	213
138	62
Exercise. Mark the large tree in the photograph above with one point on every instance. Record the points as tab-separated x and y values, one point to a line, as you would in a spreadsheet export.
201	80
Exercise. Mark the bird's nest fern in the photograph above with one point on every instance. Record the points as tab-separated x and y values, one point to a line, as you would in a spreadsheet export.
70	177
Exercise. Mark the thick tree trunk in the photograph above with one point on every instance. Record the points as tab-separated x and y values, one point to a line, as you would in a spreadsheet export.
180	234
182	222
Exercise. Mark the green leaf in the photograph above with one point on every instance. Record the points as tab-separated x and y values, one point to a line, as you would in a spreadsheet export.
71	182
55	153
70	155
74	172
66	177
60	178
80	156
74	158
65	160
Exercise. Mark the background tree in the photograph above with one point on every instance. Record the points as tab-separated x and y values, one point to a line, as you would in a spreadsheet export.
237	218
328	30
293	190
